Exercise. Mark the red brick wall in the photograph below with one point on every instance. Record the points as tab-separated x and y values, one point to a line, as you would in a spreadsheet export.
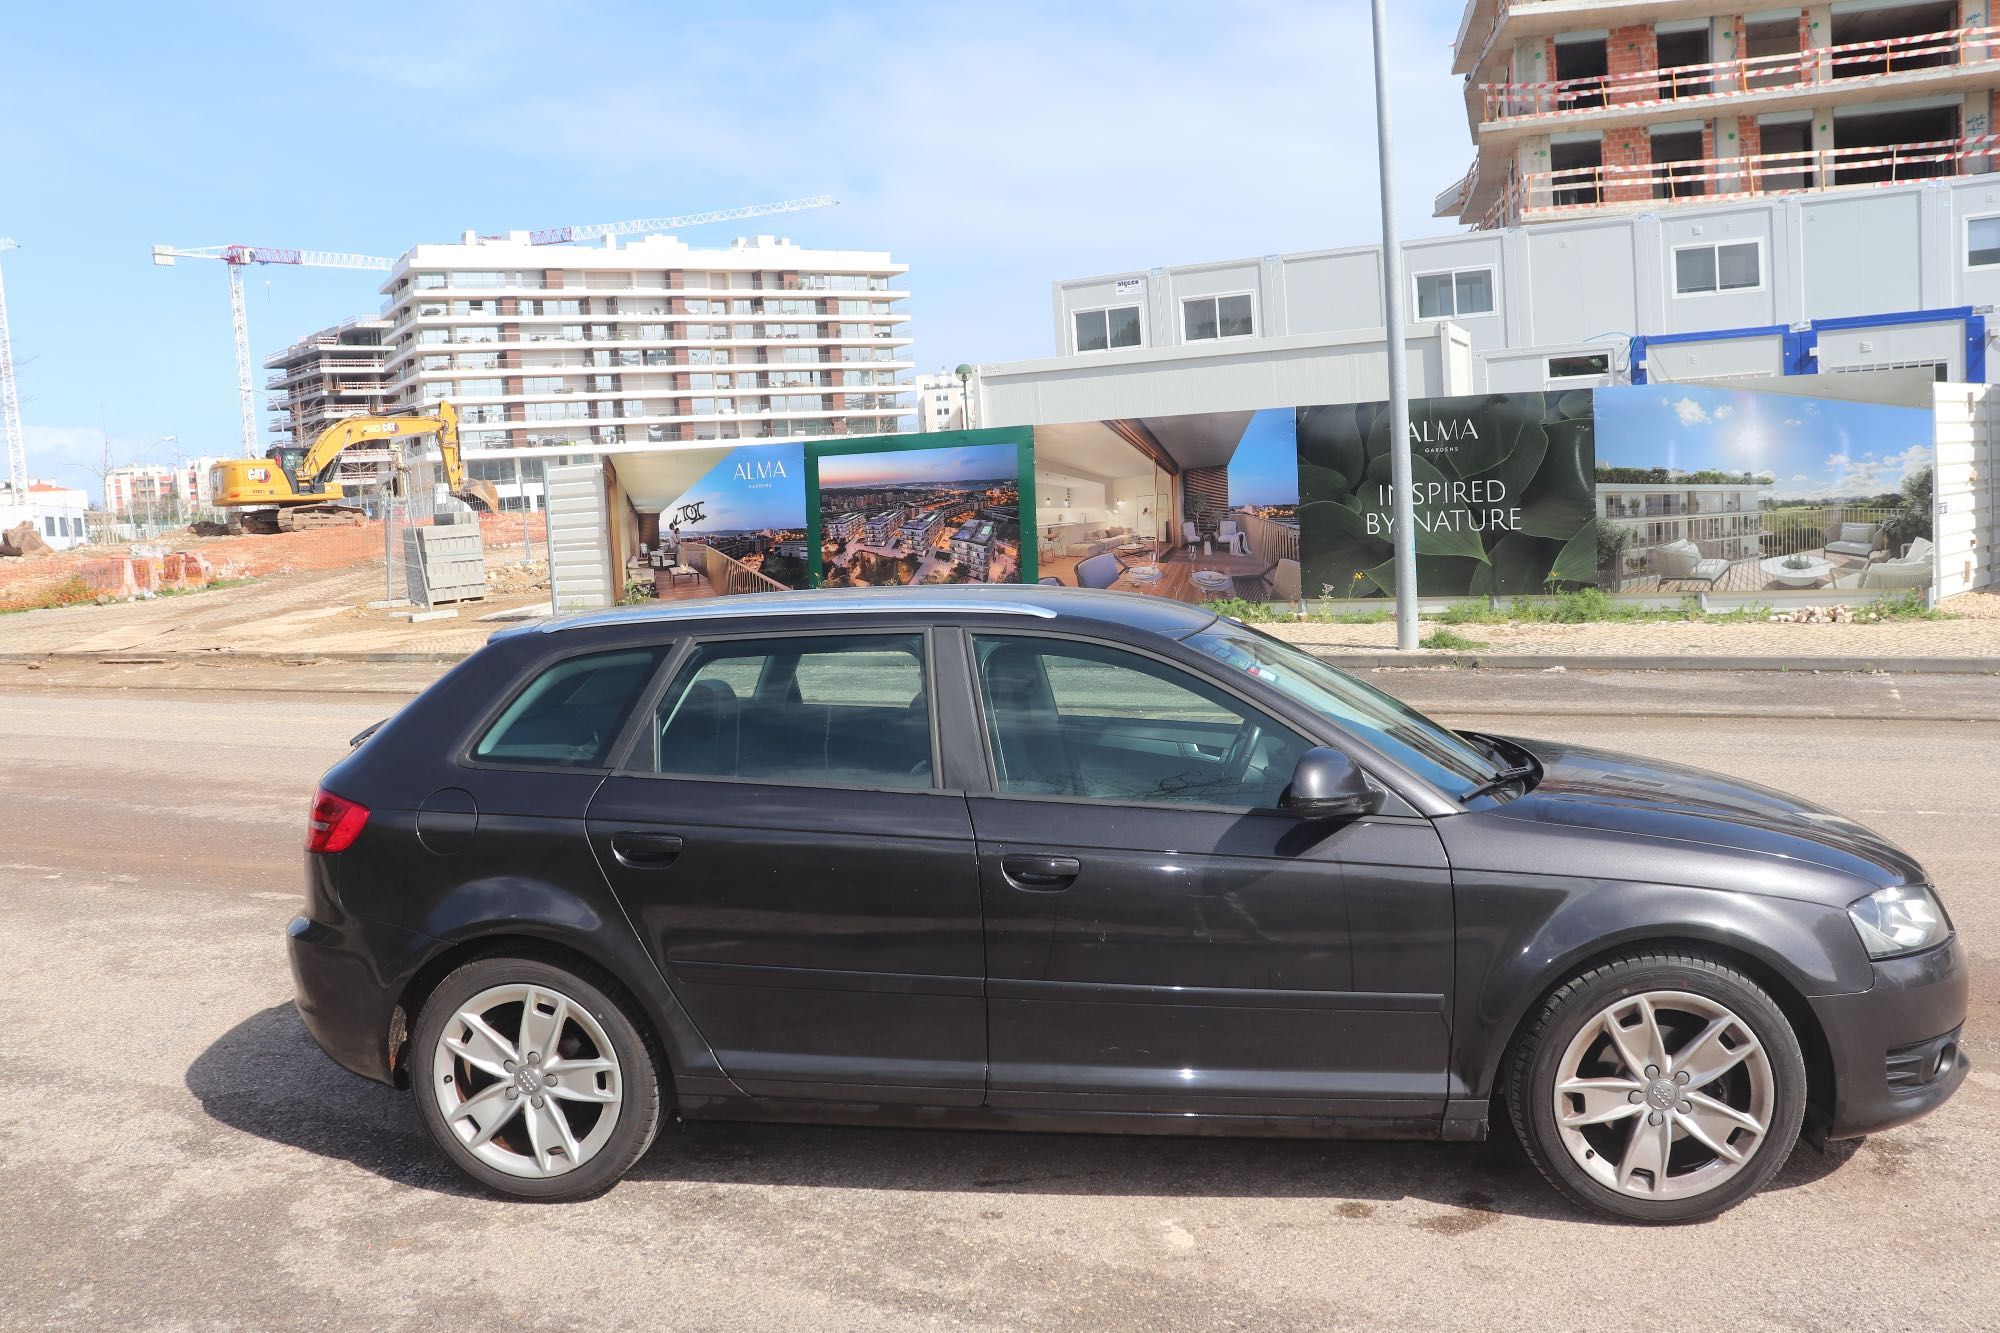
1630	147
1630	51
1749	141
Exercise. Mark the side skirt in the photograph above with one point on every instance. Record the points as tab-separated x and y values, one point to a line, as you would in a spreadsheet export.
704	1106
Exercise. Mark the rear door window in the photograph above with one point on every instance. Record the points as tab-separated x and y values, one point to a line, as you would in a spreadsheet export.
823	711
571	714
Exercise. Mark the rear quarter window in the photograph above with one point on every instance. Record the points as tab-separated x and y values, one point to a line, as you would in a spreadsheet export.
570	715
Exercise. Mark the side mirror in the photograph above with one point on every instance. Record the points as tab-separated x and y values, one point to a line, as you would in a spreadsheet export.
1327	785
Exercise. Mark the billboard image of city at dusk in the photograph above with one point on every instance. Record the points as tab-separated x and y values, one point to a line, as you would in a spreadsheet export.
909	516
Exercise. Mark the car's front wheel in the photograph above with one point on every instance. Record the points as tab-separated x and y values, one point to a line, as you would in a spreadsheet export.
1658	1088
533	1078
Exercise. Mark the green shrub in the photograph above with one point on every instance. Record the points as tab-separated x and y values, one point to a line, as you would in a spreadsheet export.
1448	639
1240	608
1468	613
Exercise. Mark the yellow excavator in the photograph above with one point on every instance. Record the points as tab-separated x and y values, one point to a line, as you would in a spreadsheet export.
291	489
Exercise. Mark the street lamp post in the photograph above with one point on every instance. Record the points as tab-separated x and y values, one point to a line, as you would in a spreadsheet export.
1404	537
964	373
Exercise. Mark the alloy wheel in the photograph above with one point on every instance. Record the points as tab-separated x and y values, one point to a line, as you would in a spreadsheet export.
527	1080
1664	1095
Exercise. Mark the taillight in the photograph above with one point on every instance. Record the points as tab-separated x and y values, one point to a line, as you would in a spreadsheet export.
334	823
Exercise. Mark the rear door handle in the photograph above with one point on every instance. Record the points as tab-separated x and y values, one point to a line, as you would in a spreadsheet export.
645	851
1040	874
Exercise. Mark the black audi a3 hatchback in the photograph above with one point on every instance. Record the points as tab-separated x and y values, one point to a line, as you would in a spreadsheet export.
1038	858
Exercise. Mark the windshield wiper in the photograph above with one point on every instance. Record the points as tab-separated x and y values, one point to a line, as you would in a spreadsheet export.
1500	779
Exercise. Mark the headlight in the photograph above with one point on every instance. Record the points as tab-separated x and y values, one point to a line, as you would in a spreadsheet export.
1899	921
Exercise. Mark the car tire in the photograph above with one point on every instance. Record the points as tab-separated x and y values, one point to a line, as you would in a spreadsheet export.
550	1125
1615	1092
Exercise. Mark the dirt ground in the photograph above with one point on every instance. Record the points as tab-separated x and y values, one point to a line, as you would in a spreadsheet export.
307	593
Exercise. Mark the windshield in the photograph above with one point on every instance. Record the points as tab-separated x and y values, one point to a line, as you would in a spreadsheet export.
1441	757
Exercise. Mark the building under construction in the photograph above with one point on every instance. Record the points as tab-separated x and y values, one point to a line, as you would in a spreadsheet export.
1583	108
330	376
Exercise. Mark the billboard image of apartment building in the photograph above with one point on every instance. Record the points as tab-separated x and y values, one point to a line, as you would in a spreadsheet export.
882	527
1708	489
972	547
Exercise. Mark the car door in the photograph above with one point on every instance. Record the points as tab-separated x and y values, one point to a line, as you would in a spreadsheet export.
782	841
1159	936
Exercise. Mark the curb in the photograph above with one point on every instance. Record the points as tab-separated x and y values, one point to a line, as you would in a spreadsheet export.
1953	666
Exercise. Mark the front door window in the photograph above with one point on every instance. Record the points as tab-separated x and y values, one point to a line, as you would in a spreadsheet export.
1084	720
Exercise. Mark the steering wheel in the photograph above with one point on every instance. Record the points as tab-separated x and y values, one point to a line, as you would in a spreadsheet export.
1237	762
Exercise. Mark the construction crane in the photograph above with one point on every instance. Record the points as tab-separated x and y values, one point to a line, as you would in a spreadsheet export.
236	258
592	231
10	401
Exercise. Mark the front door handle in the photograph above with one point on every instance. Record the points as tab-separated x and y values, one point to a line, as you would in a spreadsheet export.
1040	874
645	851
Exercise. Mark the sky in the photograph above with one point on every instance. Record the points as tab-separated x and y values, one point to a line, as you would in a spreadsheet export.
1813	449
1264	470
993	153
972	462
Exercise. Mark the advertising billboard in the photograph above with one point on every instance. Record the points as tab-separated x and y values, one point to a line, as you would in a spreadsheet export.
1500	488
1711	488
1646	491
942	509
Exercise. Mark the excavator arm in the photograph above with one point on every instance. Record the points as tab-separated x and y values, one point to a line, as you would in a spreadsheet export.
323	456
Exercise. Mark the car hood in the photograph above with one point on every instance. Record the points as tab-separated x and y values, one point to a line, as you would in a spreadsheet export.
1598	789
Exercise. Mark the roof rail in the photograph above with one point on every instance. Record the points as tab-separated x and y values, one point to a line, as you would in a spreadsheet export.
727	608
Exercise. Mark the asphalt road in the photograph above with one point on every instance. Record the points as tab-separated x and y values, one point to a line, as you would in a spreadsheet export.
178	1154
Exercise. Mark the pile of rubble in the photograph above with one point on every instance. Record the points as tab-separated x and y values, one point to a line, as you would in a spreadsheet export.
145	573
1825	615
23	539
516	577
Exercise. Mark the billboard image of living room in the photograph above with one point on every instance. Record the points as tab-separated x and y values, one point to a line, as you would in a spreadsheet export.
902	516
1201	507
1713	489
739	527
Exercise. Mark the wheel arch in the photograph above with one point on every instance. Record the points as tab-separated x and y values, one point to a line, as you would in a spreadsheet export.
1777	980
678	1047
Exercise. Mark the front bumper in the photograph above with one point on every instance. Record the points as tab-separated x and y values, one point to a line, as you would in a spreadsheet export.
349	976
1895	1048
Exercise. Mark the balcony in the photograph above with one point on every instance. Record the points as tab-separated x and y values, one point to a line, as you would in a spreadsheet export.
1853	64
1573	191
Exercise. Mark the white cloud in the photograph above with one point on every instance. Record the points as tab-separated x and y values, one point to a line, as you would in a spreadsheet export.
74	455
1800	476
1868	475
1723	411
1793	421
1689	411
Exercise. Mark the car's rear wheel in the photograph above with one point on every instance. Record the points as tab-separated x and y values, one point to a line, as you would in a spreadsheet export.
533	1078
1659	1088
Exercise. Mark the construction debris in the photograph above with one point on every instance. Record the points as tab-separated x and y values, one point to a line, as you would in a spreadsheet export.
1825	615
23	539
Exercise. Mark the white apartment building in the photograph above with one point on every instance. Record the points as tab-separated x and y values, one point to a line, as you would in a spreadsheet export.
942	401
327	376
650	342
